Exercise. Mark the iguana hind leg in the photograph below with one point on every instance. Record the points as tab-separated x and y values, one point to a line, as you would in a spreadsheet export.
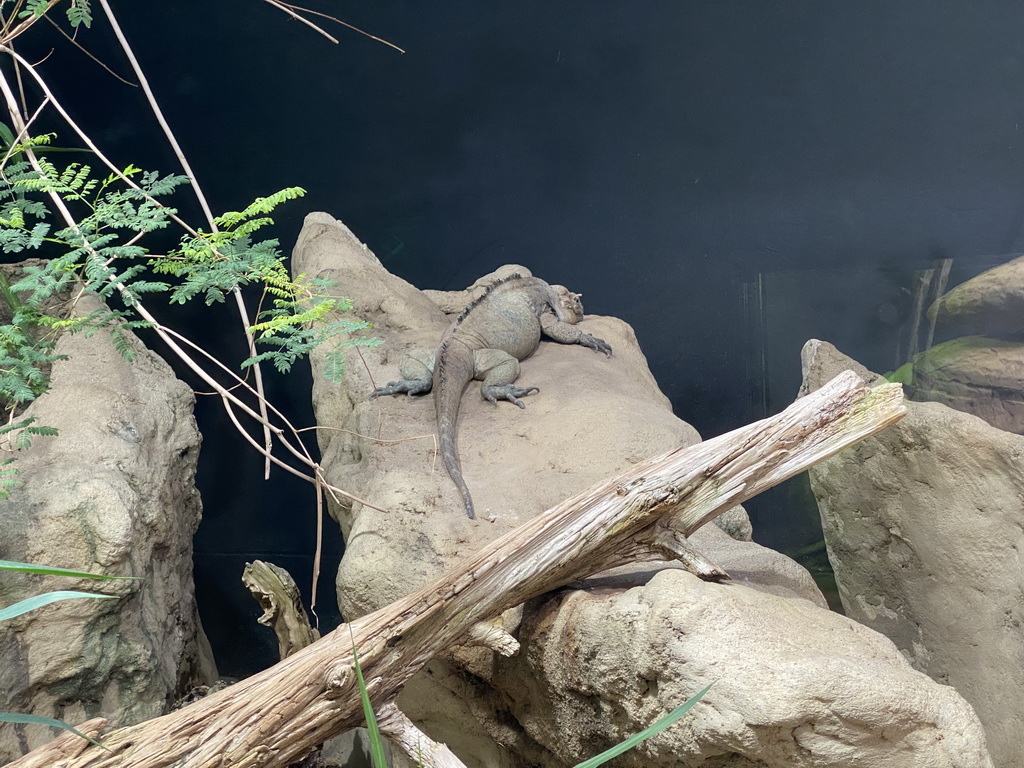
508	392
499	370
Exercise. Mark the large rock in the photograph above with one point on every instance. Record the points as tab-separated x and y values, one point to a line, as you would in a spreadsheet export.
991	304
924	530
114	493
794	685
976	375
606	656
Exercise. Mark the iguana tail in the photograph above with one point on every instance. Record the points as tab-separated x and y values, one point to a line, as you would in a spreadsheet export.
453	371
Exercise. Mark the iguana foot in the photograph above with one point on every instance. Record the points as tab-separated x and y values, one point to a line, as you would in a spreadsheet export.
405	386
596	344
495	392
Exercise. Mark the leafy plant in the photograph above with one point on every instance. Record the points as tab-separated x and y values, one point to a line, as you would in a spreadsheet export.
78	12
100	251
37	601
296	326
218	262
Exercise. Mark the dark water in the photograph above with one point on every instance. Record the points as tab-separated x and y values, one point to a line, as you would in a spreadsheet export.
732	178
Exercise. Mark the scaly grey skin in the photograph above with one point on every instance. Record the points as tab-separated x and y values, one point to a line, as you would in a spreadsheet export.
486	342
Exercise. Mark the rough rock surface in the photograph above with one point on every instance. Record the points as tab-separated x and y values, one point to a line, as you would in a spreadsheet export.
976	375
981	370
801	686
924	529
793	685
113	494
991	304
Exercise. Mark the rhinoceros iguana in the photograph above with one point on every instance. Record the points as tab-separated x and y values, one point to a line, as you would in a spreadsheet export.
487	341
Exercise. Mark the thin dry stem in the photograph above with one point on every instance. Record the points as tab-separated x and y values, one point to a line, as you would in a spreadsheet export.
7	34
201	197
282	7
290	9
165	334
281	3
379	440
83	49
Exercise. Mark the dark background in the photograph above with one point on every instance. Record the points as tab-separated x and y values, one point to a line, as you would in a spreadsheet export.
731	177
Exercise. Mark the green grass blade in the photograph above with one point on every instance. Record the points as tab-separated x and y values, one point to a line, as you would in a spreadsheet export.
49	570
12	717
377	757
31	603
6	135
632	741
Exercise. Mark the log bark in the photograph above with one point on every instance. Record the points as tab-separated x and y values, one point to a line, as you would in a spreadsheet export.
278	595
280	714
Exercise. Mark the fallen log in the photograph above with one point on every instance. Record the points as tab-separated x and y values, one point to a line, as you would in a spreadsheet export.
275	717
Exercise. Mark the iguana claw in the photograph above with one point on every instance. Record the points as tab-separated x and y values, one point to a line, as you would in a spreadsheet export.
507	392
596	344
405	386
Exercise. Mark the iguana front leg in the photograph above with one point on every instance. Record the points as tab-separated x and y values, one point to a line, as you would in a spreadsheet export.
417	376
567	333
404	387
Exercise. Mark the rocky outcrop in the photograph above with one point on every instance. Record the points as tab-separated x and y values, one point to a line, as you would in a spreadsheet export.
603	658
114	493
981	370
977	375
794	685
991	304
923	527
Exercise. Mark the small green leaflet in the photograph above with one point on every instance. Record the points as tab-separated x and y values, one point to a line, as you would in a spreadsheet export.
31	603
12	717
377	757
632	741
49	570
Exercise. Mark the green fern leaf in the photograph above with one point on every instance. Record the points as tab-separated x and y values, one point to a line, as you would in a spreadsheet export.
79	14
334	365
122	343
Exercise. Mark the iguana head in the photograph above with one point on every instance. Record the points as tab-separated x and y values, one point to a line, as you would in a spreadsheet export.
570	304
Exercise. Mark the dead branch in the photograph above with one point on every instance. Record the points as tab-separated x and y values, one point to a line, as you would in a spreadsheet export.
278	595
280	714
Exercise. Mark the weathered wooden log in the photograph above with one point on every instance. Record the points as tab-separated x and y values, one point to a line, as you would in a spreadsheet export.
278	595
275	717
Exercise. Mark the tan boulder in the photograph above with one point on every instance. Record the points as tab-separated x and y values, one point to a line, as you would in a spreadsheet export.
977	375
114	493
991	304
923	527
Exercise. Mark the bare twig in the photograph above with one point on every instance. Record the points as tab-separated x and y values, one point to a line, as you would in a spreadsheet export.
82	48
292	9
8	34
282	7
379	440
22	135
173	141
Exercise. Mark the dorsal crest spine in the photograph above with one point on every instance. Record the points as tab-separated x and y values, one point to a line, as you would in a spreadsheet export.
483	296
